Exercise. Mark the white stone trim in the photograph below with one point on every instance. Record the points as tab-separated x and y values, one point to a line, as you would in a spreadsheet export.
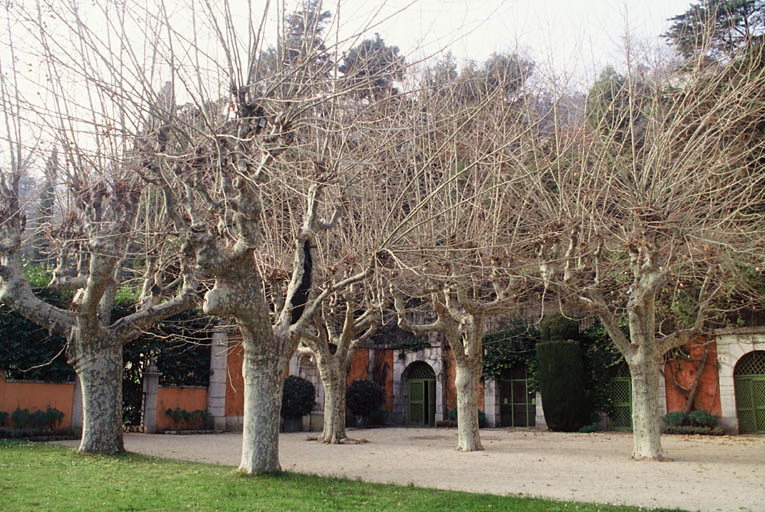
430	356
491	402
732	344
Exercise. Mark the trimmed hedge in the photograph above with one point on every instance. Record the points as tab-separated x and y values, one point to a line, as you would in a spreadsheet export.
561	375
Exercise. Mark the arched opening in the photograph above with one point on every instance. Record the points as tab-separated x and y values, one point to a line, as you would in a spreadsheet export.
421	394
621	398
517	398
749	385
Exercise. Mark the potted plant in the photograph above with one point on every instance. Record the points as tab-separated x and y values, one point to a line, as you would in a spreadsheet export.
363	397
298	400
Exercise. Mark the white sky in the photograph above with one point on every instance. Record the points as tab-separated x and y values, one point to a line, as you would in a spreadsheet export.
571	40
576	37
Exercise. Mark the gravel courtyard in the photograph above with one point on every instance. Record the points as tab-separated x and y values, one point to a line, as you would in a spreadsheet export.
707	473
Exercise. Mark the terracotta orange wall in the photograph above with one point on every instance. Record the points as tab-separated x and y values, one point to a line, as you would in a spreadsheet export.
235	381
359	369
187	398
383	375
37	396
451	390
708	397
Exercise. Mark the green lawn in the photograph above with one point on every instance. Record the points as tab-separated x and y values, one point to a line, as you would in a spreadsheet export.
44	477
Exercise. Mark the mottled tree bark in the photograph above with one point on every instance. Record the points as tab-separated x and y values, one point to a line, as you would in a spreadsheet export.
334	379
468	375
646	422
263	384
99	367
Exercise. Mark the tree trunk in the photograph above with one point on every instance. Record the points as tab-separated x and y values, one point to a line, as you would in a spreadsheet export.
646	423
466	382
263	384
333	379
100	373
644	364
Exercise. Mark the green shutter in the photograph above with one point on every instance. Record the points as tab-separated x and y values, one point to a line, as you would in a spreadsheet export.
416	402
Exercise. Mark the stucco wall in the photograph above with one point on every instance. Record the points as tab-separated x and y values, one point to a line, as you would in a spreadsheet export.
37	396
188	398
685	373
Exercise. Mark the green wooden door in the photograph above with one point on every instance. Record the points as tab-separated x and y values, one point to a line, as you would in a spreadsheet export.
430	384
749	384
415	402
421	402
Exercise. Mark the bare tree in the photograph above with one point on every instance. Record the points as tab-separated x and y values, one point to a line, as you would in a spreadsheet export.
99	221
461	251
665	193
246	177
341	324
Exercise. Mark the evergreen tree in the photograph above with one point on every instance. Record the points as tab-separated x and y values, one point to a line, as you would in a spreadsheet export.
717	28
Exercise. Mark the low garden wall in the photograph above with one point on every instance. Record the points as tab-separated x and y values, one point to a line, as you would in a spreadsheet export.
183	399
37	396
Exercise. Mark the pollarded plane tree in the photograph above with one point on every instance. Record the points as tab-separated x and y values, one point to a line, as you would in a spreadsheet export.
665	202
97	226
371	145
340	325
460	255
246	177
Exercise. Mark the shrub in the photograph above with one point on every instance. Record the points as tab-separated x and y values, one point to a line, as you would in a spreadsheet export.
364	396
3	418
589	429
702	418
689	429
560	371
452	416
674	419
21	417
298	397
199	417
49	418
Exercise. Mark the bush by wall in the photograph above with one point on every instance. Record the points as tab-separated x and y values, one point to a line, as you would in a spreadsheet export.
697	422
25	420
364	396
298	398
193	419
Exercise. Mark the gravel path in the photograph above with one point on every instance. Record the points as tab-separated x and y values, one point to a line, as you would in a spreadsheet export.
708	473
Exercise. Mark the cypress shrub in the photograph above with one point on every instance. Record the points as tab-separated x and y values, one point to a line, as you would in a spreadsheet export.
561	375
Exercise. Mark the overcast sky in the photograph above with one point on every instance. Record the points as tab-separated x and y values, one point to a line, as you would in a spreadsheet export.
573	36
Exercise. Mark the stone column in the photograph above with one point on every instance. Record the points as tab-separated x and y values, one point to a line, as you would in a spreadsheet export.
150	392
216	388
491	402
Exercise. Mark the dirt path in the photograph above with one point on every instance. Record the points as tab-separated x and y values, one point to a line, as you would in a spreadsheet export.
707	473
